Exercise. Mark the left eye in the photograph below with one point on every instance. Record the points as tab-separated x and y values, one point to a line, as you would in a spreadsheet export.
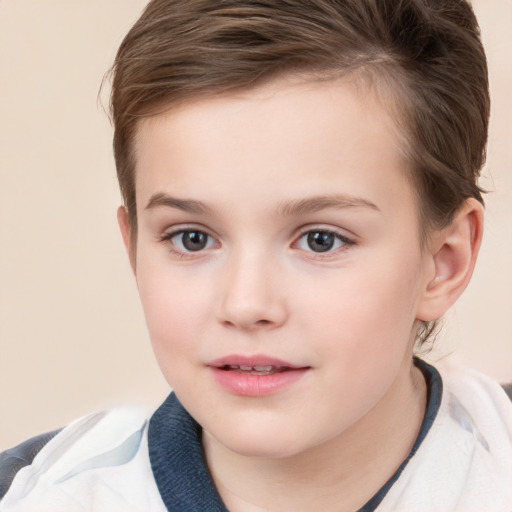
321	241
191	240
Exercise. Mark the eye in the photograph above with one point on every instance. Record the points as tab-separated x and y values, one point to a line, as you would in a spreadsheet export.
189	240
322	241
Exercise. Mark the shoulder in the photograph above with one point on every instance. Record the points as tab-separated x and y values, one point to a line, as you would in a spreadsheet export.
13	459
479	393
477	419
99	456
465	461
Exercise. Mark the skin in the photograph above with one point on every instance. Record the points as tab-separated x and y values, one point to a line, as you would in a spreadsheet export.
251	168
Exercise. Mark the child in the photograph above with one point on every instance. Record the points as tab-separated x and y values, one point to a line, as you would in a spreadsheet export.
300	206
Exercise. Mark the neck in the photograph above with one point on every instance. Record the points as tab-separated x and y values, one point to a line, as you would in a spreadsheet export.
339	475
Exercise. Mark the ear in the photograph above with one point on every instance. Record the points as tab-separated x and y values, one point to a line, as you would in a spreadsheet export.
126	232
453	251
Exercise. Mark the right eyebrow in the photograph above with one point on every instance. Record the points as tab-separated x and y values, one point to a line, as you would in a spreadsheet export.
186	205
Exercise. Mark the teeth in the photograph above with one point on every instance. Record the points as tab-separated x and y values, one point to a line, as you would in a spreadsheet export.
262	368
270	370
253	370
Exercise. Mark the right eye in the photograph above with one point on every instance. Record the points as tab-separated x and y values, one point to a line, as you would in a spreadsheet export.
189	240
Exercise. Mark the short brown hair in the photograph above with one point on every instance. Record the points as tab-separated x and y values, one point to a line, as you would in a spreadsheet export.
428	50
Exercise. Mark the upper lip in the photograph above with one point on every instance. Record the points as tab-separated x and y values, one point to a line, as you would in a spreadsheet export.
254	360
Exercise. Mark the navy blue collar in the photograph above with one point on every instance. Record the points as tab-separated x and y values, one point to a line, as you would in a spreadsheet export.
179	467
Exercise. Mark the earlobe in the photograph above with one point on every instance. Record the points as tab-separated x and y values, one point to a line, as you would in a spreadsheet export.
124	226
454	250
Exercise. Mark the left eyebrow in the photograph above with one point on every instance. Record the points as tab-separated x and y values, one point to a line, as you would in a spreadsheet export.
317	203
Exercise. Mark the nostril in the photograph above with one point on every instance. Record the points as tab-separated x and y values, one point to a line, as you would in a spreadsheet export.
248	325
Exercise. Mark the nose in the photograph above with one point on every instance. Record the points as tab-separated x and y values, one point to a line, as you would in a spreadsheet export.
253	297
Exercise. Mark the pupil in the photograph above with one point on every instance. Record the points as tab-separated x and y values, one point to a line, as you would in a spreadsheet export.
320	241
194	240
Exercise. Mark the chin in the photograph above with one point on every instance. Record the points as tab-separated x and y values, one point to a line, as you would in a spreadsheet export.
270	443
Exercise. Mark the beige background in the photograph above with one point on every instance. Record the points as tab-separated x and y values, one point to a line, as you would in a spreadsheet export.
72	335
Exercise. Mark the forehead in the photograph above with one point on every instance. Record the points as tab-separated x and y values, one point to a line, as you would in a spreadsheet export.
288	137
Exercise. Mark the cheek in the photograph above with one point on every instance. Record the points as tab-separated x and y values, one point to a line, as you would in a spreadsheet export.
365	312
175	310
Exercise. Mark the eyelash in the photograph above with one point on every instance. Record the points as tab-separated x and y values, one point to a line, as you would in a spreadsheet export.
344	241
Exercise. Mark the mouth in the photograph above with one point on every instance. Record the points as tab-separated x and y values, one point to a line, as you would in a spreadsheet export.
255	376
254	370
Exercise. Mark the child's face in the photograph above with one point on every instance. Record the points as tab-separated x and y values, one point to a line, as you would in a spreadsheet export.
277	228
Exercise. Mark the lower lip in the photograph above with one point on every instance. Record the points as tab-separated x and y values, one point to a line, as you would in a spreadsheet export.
246	384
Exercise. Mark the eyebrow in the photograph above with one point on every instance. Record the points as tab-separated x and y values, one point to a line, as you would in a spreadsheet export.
317	203
286	209
186	205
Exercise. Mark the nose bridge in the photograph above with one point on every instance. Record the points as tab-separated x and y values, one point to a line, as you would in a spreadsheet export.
252	297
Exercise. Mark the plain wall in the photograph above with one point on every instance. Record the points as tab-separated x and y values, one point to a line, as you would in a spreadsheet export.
72	334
